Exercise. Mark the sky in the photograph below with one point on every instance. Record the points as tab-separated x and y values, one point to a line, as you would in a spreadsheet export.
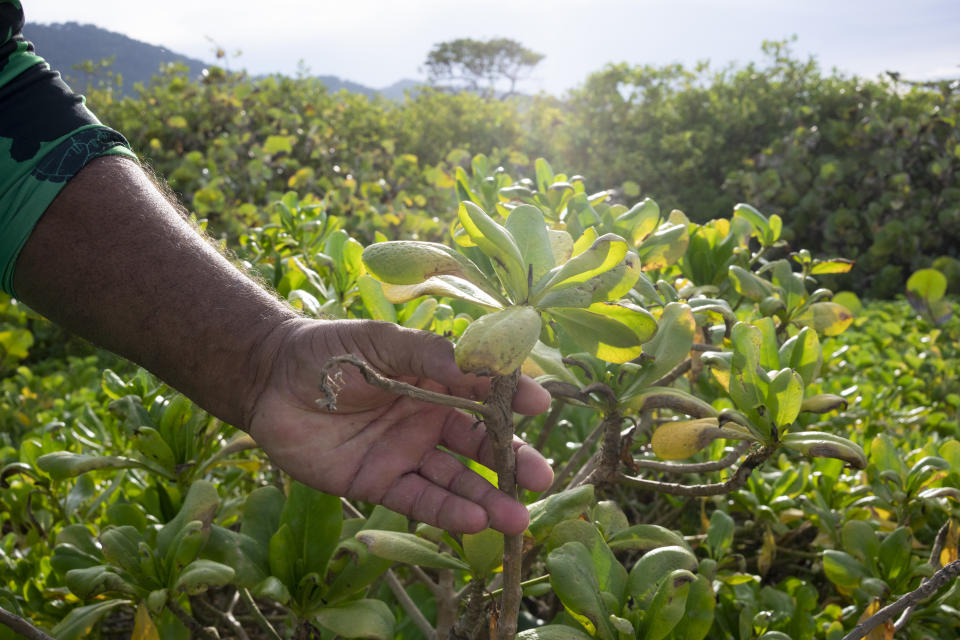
378	42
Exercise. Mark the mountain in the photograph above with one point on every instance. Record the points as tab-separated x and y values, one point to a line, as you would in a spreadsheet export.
67	45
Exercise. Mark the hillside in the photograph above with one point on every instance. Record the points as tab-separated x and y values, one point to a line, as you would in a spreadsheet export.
67	45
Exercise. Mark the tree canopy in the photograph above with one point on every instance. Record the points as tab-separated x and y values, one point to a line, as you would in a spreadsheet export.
480	65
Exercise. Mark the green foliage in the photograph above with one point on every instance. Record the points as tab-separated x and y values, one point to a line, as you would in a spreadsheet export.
119	496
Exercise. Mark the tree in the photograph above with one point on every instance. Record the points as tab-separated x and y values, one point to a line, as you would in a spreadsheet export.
480	66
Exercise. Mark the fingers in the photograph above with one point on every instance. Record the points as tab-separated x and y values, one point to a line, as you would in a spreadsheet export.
454	498
461	434
398	352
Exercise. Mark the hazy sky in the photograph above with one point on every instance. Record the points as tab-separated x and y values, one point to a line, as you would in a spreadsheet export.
377	42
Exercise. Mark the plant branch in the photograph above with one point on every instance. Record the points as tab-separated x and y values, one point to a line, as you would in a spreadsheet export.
736	481
329	385
549	424
673	374
924	591
262	621
410	606
694	467
935	551
197	630
575	460
500	430
225	616
470	621
22	626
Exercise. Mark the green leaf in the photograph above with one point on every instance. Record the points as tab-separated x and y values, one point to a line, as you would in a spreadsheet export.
670	345
422	315
16	342
790	283
200	575
574	580
644	537
375	302
842	569
283	555
409	262
698	617
261	513
610	285
927	285
819	444
604	254
64	464
442	286
837	265
246	555
828	318
639	221
314	519
785	397
664	247
720	534
278	144
200	504
552	632
759	222
750	285
483	551
668	605
363	567
548	512
655	566
499	342
614	332
894	554
80	621
527	226
610	574
497	244
408	549
803	354
358	619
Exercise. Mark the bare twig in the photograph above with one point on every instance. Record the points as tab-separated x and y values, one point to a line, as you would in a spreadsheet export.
22	626
197	630
921	593
549	424
938	544
410	606
329	387
225	616
426	579
736	481
262	621
673	374
575	460
695	467
581	476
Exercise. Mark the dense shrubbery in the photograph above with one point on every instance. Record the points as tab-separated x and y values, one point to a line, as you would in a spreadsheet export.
861	168
123	506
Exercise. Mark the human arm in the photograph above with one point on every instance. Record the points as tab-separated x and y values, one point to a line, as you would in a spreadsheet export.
115	262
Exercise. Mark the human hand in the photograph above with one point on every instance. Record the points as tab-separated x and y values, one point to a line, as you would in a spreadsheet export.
380	447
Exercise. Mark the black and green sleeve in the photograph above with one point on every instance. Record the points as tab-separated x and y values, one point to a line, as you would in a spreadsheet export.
47	135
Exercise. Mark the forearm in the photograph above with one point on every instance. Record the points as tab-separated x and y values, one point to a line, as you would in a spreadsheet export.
115	262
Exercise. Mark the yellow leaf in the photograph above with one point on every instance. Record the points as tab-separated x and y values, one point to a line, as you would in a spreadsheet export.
143	627
767	552
882	632
950	553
